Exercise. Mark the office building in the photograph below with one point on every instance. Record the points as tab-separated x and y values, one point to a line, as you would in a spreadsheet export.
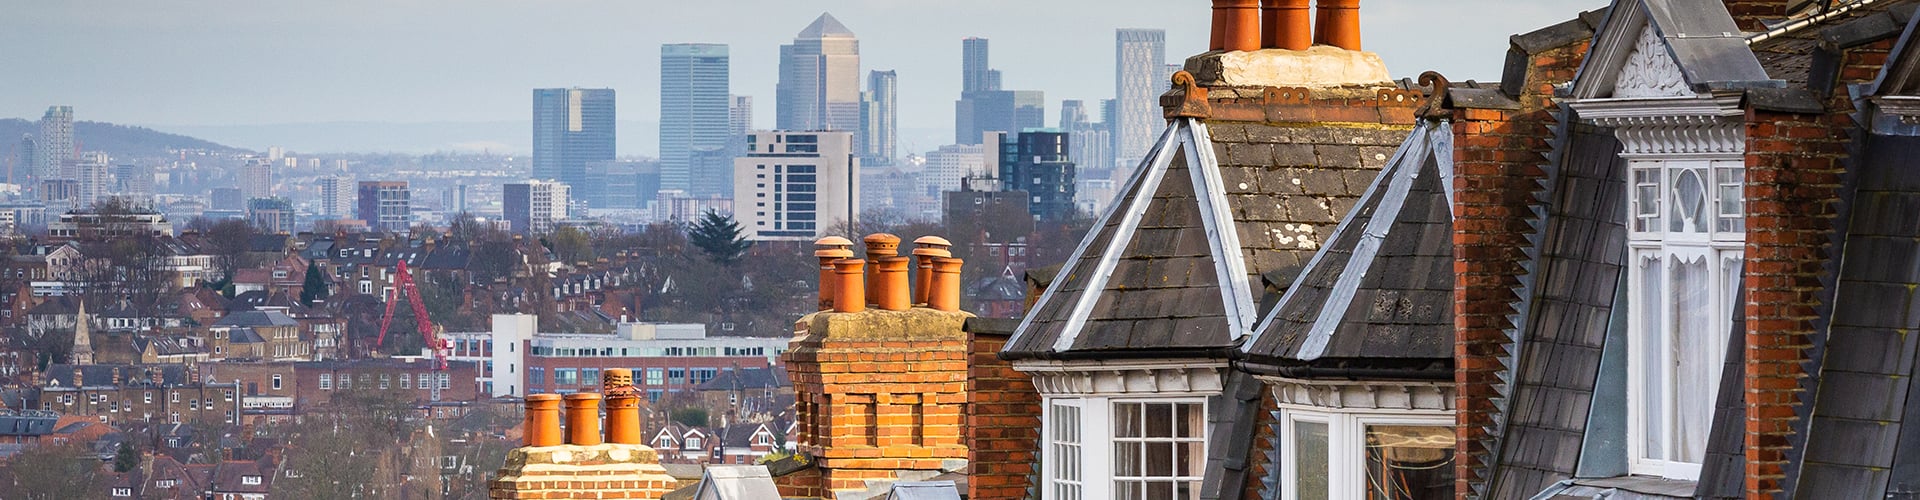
386	206
336	196
1036	162
695	111
879	127
739	123
270	215
572	128
796	185
23	161
713	173
947	166
535	207
1140	59
975	73
819	85
256	178
93	173
54	146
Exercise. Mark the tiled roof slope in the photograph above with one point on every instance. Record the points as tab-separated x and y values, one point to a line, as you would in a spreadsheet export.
1279	190
1382	287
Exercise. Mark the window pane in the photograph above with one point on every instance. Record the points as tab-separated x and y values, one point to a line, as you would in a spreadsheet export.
1732	199
1193	459
1160	459
1126	421
1409	462
1646	199
1159	491
1689	202
1310	459
1126	459
1695	362
1159	420
1652	358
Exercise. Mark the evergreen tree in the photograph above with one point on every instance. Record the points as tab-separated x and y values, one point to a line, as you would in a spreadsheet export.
125	459
719	237
315	286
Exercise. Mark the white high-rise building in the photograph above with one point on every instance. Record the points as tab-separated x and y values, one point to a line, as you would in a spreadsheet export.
94	171
1140	57
796	185
535	206
951	163
54	146
256	179
336	196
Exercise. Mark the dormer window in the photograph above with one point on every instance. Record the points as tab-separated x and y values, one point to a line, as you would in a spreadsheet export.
693	442
250	480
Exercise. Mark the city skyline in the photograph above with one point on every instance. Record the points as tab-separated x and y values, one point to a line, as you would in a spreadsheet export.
475	78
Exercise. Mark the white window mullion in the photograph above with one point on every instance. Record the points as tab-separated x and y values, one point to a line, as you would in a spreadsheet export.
1096	438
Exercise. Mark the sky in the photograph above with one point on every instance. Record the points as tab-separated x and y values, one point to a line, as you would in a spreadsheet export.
278	71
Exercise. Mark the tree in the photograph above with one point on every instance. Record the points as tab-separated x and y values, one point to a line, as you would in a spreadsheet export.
570	245
125	459
315	286
229	240
57	472
719	237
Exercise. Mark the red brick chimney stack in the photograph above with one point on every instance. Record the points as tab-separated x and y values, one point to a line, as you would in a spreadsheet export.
1288	25
1338	24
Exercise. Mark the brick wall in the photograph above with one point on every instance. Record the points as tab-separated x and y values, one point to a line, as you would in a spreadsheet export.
1497	155
567	471
1749	13
1003	422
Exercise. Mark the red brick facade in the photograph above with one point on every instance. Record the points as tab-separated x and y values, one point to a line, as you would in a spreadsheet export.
1003	422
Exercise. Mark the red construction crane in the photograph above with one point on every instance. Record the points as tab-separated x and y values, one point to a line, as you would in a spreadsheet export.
403	281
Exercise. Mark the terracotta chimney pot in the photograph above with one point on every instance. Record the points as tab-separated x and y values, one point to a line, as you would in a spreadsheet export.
1237	24
849	285
946	284
623	419
1286	24
543	420
827	254
1338	24
879	245
929	248
583	419
891	285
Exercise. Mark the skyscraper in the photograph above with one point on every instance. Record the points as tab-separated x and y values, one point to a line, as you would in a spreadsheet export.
1140	56
386	206
55	143
94	171
336	196
695	110
796	185
534	207
819	85
1089	143
571	128
1036	162
951	163
975	73
24	159
878	126
739	123
256	178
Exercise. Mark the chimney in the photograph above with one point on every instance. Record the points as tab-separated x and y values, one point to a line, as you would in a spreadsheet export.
543	420
849	286
1287	25
879	245
1338	24
1236	25
830	249
929	247
945	293
583	419
890	284
623	406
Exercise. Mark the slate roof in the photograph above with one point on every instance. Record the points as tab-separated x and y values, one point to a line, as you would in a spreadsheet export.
924	490
103	375
736	482
227	477
244	335
164	346
257	318
746	378
1168	269
1381	288
31	423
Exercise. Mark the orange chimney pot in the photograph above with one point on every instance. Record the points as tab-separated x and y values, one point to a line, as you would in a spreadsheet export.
1237	24
849	286
929	248
829	251
1286	24
879	245
583	419
946	284
623	419
1338	24
543	420
891	284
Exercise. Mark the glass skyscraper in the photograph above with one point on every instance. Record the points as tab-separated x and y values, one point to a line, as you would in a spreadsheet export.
572	128
1140	57
879	129
694	116
819	79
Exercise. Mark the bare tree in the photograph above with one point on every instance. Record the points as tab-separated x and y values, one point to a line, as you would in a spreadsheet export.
55	472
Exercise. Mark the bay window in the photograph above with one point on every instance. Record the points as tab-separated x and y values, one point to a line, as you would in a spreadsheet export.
1101	447
1685	248
1329	454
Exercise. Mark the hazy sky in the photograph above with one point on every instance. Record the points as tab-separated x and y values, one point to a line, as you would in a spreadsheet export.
223	62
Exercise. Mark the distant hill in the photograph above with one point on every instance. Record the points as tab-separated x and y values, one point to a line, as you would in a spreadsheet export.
121	141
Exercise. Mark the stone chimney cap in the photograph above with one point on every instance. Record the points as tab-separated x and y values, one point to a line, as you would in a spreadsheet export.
881	238
932	240
833	241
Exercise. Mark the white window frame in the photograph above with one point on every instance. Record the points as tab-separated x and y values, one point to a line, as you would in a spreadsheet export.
1096	435
1723	252
1346	443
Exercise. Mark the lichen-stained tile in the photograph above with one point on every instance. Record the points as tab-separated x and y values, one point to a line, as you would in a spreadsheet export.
1292	156
1871	350
1339	205
1266	134
1286	181
1877	258
1371	158
1874	305
1869	396
1102	334
1239	181
1199	331
1193	242
1845	480
1337	156
1249	208
1853	442
1153	241
1311	209
1325	182
1247	154
1227	132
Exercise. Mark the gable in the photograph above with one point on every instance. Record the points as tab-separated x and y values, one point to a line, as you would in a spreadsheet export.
1649	71
1667	48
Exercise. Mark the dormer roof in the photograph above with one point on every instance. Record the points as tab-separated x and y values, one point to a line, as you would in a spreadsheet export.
1668	48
